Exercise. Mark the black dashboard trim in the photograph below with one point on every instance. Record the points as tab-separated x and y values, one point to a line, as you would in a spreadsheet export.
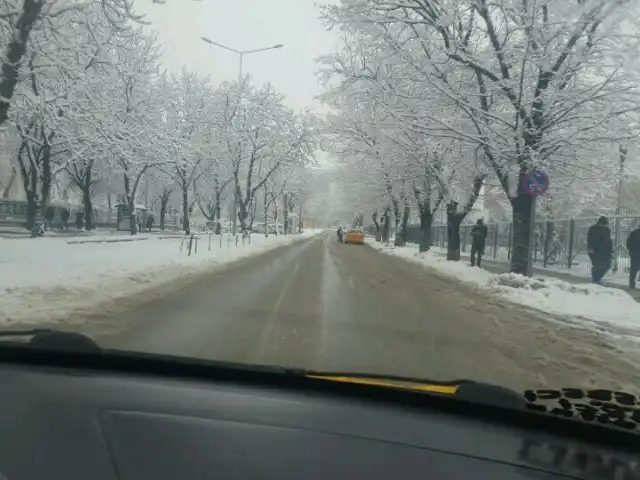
181	369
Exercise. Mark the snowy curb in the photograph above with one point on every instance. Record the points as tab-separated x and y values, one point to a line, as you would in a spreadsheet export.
132	238
109	240
600	308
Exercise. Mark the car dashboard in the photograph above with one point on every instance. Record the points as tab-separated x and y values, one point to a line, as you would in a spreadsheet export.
59	421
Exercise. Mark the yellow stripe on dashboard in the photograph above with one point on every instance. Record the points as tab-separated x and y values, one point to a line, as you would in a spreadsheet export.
422	387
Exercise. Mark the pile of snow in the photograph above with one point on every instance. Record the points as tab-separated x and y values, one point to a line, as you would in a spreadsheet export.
47	279
585	304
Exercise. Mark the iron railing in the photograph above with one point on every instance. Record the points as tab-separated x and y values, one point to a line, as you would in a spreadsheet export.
558	244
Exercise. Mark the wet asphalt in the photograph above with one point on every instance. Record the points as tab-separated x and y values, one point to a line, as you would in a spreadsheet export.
322	305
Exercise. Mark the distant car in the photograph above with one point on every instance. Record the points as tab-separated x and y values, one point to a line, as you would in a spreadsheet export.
354	236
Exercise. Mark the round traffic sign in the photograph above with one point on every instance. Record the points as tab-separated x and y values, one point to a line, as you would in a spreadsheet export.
535	182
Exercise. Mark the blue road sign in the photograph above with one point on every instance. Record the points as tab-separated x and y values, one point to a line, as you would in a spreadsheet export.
535	183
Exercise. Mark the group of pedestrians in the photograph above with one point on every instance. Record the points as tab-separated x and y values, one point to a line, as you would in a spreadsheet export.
599	247
600	250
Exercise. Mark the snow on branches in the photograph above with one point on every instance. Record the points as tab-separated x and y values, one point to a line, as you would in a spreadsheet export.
549	85
92	114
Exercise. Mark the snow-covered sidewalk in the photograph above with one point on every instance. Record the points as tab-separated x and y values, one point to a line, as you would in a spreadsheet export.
47	279
607	310
575	275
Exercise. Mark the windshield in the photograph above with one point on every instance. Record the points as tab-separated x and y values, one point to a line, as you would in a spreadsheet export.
354	187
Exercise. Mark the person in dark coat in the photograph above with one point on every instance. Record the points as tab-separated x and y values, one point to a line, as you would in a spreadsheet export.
150	222
79	220
633	245
600	249
64	216
478	239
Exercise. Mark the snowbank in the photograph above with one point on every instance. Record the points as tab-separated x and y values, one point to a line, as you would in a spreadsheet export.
605	309
46	279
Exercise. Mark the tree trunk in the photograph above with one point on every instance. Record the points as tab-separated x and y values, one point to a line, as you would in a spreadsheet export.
377	224
130	193
396	219
275	215
300	223
32	209
88	209
218	214
133	228
165	196
14	53
186	226
163	212
242	211
522	207
252	212
130	203
401	239
426	220
46	179
243	214
385	226
85	182
286	215
265	207
454	220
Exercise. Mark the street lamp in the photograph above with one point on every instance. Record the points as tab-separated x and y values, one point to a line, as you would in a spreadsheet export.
241	54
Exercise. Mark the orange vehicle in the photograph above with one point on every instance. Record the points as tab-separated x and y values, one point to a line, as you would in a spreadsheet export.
354	236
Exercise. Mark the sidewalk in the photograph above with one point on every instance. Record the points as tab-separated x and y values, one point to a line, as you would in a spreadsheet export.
499	266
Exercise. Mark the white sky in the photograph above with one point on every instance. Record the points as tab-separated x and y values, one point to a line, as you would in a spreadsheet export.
246	25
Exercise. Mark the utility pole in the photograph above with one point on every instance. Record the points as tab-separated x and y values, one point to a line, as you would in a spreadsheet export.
616	236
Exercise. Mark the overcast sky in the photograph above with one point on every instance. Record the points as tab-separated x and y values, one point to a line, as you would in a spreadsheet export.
246	25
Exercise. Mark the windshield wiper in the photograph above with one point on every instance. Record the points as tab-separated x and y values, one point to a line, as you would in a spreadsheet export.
50	339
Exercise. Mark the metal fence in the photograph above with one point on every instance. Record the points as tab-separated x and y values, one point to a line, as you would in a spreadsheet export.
14	212
558	244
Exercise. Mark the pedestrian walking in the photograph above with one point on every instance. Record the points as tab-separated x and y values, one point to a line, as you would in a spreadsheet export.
79	220
340	234
479	234
150	222
64	216
633	246
600	249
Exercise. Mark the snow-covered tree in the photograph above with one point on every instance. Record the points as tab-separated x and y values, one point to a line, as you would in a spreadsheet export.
20	19
260	136
533	86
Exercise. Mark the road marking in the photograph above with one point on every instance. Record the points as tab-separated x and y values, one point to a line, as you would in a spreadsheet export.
284	291
269	327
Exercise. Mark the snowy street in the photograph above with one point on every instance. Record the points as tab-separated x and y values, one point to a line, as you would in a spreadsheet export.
55	280
318	304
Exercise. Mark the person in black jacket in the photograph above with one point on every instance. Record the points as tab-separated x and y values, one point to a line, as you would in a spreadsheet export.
478	239
633	245
600	248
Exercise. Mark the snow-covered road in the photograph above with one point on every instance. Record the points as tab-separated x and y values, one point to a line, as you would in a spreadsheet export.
318	304
611	312
53	279
348	308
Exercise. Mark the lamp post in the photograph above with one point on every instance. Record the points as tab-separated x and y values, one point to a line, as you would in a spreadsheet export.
241	54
